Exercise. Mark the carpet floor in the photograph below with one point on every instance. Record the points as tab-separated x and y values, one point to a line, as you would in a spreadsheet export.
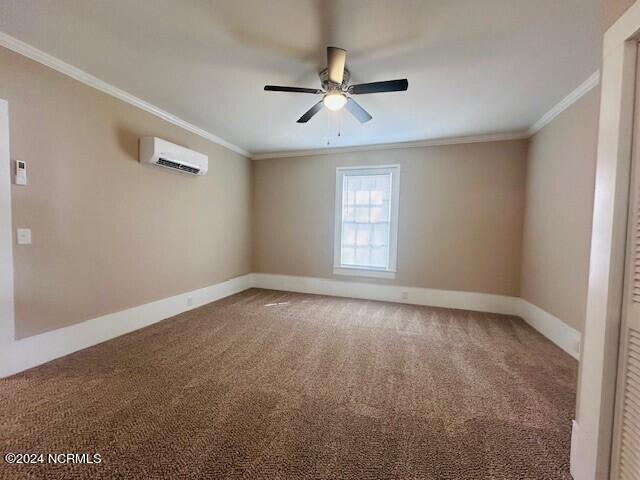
274	385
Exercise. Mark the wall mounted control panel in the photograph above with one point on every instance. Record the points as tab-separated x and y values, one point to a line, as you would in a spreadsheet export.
21	172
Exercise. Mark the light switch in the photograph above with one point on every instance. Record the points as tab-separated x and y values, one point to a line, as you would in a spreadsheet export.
24	236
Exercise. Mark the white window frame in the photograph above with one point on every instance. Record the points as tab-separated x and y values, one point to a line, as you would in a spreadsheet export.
355	271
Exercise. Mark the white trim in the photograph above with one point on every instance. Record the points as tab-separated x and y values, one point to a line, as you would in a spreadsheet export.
561	334
20	355
592	448
6	234
369	167
482	302
575	463
50	61
582	89
394	206
498	137
55	63
29	352
363	272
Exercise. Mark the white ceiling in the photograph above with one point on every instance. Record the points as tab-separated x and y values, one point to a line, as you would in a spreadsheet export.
474	66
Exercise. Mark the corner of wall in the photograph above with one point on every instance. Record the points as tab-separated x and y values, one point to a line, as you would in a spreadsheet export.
561	146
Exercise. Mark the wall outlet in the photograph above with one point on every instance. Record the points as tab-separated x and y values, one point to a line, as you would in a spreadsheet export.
404	295
189	301
23	236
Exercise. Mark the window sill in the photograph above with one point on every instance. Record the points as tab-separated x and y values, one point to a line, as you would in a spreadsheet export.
364	272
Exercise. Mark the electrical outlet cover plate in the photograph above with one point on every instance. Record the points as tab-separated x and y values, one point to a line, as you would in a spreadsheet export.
24	236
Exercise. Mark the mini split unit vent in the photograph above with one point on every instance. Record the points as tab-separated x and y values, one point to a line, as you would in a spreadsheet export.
169	155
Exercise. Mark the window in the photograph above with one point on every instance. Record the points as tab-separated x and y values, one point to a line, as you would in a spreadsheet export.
366	221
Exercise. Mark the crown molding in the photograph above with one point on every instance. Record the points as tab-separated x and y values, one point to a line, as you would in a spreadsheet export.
55	63
584	88
499	137
50	61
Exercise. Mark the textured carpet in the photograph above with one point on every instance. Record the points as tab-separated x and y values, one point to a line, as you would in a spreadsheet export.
273	385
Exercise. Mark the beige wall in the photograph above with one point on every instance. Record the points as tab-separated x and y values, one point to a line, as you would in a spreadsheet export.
108	232
147	233
559	208
460	222
613	10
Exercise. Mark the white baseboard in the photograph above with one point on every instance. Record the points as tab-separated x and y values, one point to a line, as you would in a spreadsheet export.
575	465
551	327
20	355
564	336
29	352
483	302
582	465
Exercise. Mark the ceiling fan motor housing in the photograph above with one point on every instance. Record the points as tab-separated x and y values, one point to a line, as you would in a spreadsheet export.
329	86
336	91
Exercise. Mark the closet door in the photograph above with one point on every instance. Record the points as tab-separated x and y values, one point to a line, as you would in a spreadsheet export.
625	464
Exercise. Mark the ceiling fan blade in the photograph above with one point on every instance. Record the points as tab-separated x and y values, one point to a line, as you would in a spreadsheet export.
276	88
357	111
311	112
336	58
379	87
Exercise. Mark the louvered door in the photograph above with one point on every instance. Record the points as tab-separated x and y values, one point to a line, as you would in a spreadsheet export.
625	463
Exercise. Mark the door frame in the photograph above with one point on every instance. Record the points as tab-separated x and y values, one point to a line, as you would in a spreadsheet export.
7	327
591	441
629	304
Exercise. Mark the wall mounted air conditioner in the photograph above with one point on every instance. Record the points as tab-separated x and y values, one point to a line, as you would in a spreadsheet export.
159	152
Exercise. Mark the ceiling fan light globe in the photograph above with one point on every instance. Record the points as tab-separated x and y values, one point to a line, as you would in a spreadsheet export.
334	101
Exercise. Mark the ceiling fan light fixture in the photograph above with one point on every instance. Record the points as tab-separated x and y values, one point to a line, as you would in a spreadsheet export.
334	101
337	91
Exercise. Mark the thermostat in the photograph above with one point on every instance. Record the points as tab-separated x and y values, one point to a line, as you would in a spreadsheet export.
21	172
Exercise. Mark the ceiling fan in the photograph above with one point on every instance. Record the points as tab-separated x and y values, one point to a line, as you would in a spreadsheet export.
336	90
